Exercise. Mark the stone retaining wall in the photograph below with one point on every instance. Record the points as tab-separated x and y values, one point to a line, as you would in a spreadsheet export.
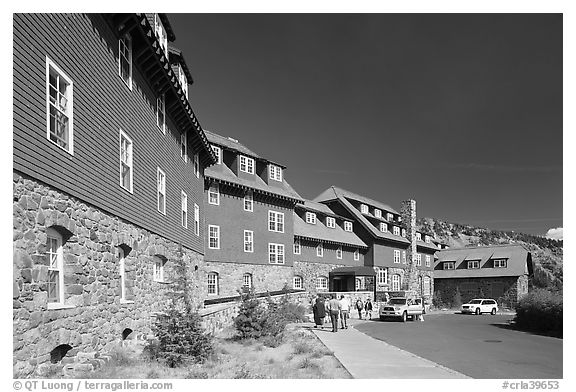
505	290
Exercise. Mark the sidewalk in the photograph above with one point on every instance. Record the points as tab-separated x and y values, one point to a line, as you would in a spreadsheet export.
366	357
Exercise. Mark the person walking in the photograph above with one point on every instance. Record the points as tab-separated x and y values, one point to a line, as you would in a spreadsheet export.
326	307
334	306
359	307
344	312
368	309
319	312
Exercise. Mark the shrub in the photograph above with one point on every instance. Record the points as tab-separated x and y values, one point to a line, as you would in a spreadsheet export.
540	310
457	300
248	322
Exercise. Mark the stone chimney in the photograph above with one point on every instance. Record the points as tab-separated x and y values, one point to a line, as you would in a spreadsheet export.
409	218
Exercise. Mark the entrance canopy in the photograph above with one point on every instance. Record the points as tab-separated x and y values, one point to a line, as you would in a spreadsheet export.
356	271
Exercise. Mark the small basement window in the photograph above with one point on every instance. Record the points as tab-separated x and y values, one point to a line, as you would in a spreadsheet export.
59	352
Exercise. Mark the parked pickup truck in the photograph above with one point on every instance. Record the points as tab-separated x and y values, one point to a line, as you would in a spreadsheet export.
402	308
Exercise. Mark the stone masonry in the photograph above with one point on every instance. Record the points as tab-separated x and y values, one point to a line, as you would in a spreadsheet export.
505	290
408	213
93	318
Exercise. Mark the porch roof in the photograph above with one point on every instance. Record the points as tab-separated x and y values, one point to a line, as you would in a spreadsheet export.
356	271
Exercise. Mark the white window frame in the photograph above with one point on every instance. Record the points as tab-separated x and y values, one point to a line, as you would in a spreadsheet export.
213	237
276	253
297	283
473	264
275	172
55	264
383	227
161	109
320	250
196	219
403	257
418	259
396	256
348	226
158	269
218	152
396	230
448	265
331	222
214	194
427	239
183	80
67	111
184	146
419	236
126	159
428	261
382	277
247	280
275	221
356	255
396	282
184	198
248	241
404	233
500	263
247	164
389	216
212	280
125	53
196	165
321	283
377	213
161	190
297	247
364	208
161	34
310	217
249	201
339	253
122	273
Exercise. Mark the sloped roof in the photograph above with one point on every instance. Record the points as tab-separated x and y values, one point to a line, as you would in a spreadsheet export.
177	57
319	208
358	271
519	261
334	192
320	232
230	144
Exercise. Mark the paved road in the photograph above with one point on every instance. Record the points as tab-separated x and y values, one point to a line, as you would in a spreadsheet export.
477	346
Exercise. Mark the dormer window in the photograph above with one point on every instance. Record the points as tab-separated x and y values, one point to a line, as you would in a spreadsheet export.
396	230
383	227
311	218
161	35
348	226
246	164
404	233
419	236
183	80
378	213
500	263
218	152
448	265
474	264
390	216
331	222
427	239
363	208
275	172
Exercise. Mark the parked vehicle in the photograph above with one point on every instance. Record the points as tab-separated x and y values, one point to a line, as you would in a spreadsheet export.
402	308
479	306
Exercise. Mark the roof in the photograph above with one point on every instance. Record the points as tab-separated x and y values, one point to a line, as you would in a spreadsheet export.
176	54
319	231
358	271
519	261
333	193
319	208
231	144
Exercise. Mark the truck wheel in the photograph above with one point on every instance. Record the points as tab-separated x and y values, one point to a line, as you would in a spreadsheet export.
493	312
477	311
404	317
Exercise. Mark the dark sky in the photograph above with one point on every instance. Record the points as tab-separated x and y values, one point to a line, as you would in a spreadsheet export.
461	112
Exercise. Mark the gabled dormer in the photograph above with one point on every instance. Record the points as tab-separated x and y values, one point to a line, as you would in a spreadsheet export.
180	68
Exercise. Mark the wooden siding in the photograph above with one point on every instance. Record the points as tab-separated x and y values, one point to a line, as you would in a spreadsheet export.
85	48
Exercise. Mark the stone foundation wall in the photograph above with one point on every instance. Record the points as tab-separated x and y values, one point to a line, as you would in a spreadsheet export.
503	289
310	271
92	317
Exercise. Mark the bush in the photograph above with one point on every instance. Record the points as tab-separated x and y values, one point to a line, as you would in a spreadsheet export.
540	310
248	322
457	300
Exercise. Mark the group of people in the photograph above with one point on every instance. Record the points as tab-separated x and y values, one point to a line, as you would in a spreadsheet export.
331	309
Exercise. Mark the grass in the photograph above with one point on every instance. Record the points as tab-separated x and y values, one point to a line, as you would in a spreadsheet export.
301	354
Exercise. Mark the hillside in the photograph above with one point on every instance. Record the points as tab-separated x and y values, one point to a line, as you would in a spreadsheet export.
547	254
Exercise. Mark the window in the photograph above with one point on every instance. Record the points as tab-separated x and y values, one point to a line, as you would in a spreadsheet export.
125	59
358	284
311	218
276	221
339	252
297	248
356	255
320	250
297	283
448	265
249	201
55	252
161	34
395	282
184	210
275	172
183	80
246	164
59	90
183	147
214	194
196	219
382	276
213	237
276	253
427	239
396	256
158	269
322	283
161	188
212	283
383	227
125	162
427	287
418	259
473	264
248	241
390	216
404	233
403	257
218	152
500	263
348	226
419	236
377	213
330	222
396	230
427	260
197	165
363	208
122	268
247	280
161	113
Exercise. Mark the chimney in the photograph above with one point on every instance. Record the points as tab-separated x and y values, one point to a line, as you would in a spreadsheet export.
408	212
